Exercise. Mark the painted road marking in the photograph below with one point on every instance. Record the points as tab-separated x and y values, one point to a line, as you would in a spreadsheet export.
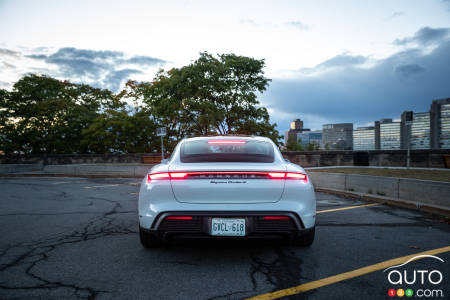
345	208
100	186
347	275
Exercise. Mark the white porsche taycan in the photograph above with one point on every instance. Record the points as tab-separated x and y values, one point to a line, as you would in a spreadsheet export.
226	186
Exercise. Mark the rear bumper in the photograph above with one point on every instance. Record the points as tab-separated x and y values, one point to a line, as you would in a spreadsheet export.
200	224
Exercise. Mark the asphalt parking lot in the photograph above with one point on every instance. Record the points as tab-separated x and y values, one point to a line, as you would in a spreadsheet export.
76	238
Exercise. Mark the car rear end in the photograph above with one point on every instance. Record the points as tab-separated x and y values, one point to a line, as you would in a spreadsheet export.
223	187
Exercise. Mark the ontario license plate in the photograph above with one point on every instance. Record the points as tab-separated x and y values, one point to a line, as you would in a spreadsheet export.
228	227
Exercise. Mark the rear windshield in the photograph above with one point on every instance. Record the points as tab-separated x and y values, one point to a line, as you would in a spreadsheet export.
226	151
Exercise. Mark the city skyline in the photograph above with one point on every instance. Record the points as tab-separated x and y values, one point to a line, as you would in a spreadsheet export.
329	62
417	130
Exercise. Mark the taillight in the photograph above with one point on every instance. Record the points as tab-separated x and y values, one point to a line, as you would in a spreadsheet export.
166	175
301	176
178	218
248	174
178	175
275	175
155	176
288	175
275	218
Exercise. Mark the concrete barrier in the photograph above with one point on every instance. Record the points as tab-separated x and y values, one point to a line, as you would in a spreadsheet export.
328	180
125	170
20	168
415	192
425	192
377	185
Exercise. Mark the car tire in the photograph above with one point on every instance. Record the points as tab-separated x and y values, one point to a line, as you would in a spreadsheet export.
149	240
305	239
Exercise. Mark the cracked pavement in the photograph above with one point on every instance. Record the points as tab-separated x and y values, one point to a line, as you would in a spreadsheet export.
76	238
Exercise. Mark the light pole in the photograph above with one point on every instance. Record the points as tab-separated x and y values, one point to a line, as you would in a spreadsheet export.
409	116
162	148
408	144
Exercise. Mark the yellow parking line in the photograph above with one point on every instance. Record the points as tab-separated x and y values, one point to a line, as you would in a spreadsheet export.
344	276
345	208
99	186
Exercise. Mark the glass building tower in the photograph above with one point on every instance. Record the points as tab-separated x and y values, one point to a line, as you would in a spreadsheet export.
444	128
364	138
390	136
420	131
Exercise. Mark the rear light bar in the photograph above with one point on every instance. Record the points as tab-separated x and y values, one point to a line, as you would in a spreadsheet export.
227	142
275	218
184	175
178	218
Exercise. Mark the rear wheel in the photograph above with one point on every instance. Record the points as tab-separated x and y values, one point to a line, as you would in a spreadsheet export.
149	240
305	239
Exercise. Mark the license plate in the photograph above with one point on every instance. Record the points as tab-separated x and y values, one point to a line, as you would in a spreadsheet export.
228	227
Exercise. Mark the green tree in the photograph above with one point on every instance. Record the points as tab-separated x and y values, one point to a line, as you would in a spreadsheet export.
312	147
127	128
293	144
45	115
121	131
212	95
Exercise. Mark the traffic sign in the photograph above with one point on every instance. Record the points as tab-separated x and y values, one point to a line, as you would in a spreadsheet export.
161	131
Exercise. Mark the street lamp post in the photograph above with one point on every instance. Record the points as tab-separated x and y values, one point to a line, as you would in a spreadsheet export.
408	144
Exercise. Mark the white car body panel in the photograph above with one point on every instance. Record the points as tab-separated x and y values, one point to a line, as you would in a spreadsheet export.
203	195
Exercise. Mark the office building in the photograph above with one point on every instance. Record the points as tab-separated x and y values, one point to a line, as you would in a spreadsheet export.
390	137
364	138
310	137
295	128
416	128
338	136
440	124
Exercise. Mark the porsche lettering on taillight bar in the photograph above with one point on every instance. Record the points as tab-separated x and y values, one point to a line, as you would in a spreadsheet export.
227	175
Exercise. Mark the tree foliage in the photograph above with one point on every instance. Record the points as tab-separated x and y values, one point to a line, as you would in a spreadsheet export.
45	115
293	144
212	95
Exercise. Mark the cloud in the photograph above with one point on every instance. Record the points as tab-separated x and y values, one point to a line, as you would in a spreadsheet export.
298	25
343	60
114	79
295	24
144	60
247	21
7	52
407	80
8	66
100	68
405	71
338	61
425	36
395	14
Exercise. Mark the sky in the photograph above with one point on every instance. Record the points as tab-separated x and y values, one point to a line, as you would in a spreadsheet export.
329	61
